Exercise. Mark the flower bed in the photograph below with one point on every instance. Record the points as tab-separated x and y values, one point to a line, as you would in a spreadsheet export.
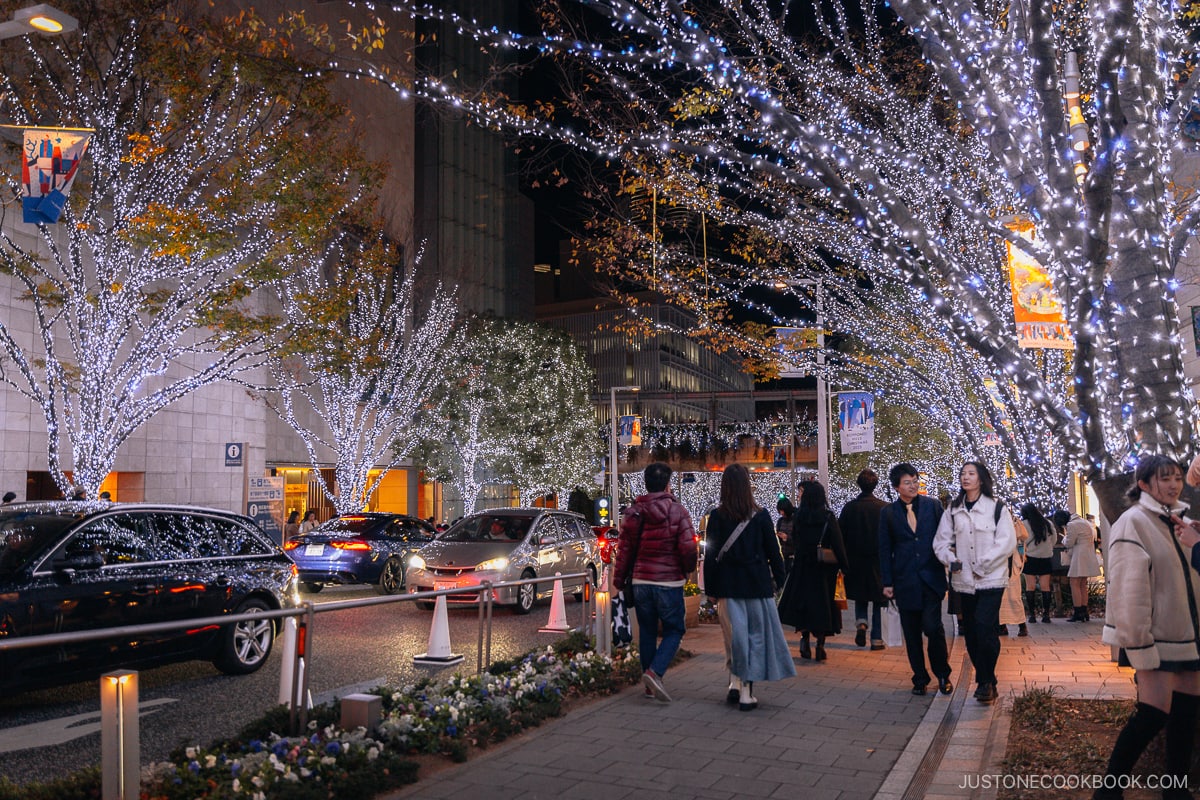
448	716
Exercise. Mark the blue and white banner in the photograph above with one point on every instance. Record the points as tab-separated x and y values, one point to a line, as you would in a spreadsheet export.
49	163
856	421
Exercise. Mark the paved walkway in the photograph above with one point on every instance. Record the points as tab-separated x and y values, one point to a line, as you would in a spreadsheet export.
844	729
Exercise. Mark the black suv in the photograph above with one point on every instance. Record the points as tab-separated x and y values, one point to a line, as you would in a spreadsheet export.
73	566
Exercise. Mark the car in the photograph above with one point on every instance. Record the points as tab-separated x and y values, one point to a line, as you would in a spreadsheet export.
506	544
77	566
372	547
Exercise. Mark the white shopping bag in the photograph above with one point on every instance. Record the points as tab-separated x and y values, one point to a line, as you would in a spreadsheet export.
893	634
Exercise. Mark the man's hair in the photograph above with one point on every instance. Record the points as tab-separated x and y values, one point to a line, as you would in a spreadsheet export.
658	477
867	480
9	497
899	472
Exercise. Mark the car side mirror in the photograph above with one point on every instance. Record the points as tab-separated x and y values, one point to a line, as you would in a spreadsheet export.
544	539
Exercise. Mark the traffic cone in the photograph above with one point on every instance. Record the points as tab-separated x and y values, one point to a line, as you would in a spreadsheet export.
558	611
438	653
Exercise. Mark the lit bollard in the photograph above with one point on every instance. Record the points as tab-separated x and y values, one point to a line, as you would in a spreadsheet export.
361	711
603	616
120	756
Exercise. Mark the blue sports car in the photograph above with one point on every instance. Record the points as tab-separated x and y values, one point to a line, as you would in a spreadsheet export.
371	547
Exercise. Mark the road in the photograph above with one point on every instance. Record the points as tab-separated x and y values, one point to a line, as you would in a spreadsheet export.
50	733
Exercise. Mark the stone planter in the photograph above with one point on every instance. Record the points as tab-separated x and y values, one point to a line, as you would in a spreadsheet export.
691	607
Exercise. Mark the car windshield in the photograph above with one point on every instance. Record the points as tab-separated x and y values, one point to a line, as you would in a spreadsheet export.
24	535
356	524
489	528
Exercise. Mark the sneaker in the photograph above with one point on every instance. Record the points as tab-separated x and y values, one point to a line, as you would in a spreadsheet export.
860	636
654	683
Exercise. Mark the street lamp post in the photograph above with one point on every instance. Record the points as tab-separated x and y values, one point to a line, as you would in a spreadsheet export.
42	18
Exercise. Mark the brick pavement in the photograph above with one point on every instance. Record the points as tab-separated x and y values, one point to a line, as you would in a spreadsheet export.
844	729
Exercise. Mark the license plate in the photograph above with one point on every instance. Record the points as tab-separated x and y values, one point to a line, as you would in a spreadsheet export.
314	549
440	586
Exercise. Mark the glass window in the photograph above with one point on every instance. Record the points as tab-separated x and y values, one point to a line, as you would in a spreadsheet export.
239	540
116	538
548	530
182	536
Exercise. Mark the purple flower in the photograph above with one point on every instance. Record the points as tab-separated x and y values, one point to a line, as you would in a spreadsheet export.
194	766
255	746
333	748
452	730
235	768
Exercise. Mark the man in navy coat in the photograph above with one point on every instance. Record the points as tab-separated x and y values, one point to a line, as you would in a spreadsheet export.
913	575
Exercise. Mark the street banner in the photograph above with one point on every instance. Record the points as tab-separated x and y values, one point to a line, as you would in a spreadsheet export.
264	504
1037	309
856	421
790	343
629	431
991	437
49	162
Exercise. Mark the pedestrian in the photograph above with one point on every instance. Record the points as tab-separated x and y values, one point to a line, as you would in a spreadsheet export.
79	494
1080	538
291	528
657	553
106	497
807	602
1012	607
1039	560
859	522
975	539
1151	615
914	577
310	521
783	530
8	498
743	567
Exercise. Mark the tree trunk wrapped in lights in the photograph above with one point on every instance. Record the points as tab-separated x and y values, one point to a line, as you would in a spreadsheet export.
205	171
365	363
732	116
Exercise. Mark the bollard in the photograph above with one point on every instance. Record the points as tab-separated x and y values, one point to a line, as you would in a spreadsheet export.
120	756
361	711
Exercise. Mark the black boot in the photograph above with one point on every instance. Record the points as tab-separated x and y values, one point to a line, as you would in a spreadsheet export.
1181	736
1031	601
1143	725
805	648
1045	606
1077	616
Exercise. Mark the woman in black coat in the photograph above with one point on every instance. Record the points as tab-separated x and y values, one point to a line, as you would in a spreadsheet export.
741	574
807	603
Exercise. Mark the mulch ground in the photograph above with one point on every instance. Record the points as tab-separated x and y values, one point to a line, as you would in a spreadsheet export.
1056	736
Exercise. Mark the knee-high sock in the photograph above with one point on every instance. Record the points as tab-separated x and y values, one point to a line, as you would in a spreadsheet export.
1046	603
1181	733
1143	725
1031	601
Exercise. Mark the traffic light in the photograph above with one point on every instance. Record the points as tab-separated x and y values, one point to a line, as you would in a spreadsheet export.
603	511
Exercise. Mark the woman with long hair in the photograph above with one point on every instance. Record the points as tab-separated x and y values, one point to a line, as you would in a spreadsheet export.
975	539
1151	615
292	526
742	568
807	602
1039	553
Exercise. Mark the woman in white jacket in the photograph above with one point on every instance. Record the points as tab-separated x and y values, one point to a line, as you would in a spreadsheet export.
975	539
1151	614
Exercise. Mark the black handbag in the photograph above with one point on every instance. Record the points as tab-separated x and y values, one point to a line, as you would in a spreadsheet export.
825	555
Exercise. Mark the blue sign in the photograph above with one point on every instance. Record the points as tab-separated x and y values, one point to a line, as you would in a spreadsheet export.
233	454
264	504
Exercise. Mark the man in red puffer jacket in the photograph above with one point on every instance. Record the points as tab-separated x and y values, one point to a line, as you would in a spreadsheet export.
656	553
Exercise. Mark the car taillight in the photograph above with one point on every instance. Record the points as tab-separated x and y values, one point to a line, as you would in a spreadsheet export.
291	544
353	544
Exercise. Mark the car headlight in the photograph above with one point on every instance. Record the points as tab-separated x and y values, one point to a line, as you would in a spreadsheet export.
415	561
492	564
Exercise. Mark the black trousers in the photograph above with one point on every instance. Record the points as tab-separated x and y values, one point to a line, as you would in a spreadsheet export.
981	620
926	622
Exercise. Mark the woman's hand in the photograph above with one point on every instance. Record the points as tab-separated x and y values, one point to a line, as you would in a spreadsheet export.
1188	531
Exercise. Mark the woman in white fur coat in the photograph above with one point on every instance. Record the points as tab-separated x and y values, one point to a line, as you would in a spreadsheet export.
975	543
1151	614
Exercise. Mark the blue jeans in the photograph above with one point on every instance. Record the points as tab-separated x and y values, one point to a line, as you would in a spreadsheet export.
655	604
860	615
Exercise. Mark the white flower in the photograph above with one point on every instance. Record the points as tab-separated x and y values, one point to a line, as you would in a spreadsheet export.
373	754
210	761
291	776
237	785
327	760
190	752
257	781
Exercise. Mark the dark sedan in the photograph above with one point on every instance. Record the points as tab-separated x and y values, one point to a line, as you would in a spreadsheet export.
372	547
75	566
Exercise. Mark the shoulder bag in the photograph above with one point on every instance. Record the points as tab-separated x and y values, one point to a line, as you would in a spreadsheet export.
825	555
733	537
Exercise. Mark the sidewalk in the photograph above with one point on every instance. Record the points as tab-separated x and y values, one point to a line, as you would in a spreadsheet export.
845	728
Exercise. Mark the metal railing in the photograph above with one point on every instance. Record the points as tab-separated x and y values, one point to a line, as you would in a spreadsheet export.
116	767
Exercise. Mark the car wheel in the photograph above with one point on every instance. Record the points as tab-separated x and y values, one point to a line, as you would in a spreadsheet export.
391	580
246	645
592	574
311	588
526	594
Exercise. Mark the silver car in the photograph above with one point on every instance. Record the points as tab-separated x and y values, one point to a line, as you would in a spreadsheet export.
506	544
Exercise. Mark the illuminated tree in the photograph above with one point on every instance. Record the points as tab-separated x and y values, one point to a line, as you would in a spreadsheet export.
721	106
205	171
515	408
363	365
